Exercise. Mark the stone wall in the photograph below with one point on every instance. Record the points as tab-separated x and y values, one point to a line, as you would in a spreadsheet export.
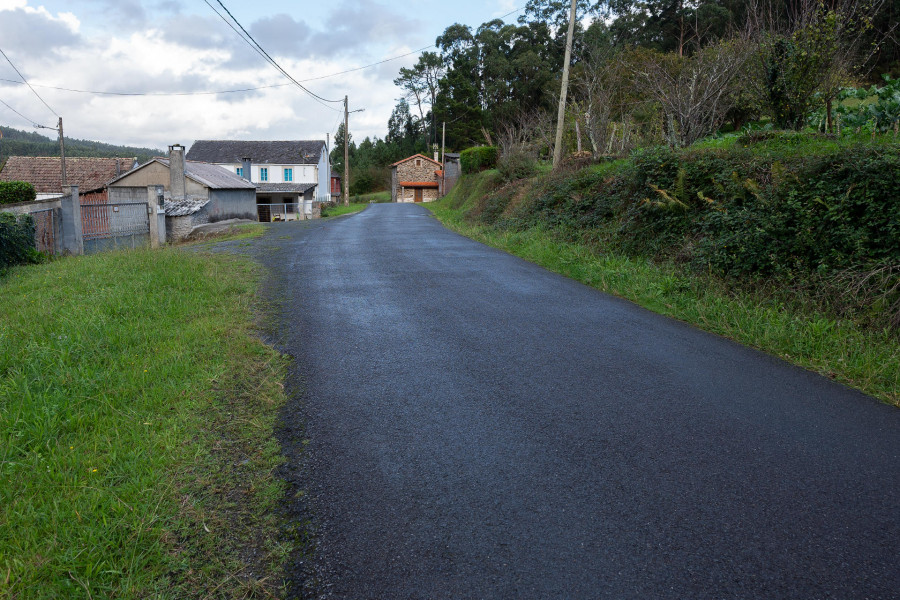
408	170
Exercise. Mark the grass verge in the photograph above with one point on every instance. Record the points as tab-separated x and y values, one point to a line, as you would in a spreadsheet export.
137	407
340	209
864	359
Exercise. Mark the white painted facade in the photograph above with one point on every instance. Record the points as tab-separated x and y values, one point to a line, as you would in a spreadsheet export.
320	174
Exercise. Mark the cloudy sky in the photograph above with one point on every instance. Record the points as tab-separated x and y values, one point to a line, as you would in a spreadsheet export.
160	47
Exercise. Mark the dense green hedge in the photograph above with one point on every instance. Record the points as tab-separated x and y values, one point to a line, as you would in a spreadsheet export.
16	191
735	211
478	158
16	240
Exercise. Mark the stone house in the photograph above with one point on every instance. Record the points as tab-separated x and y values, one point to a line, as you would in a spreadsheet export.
194	193
415	179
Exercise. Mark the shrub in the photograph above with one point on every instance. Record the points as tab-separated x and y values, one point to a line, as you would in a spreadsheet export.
16	191
517	165
16	240
478	158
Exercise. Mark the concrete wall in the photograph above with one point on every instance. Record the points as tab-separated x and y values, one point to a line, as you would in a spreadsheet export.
231	204
451	173
155	174
122	194
26	208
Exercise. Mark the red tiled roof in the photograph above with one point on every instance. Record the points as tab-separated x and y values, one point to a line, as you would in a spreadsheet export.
416	156
419	184
43	172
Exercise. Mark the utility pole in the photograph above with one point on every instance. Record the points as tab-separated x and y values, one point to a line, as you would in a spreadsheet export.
62	153
346	197
557	148
443	162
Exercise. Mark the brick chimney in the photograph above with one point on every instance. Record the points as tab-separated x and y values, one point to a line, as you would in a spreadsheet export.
245	168
177	187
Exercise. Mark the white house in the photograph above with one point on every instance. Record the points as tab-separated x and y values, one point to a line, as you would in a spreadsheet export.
286	173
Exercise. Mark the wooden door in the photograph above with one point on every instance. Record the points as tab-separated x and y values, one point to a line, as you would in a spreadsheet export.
418	195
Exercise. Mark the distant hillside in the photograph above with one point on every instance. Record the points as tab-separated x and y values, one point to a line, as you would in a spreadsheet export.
27	143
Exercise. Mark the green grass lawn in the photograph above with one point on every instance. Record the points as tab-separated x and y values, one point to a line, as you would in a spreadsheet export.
383	196
136	429
340	209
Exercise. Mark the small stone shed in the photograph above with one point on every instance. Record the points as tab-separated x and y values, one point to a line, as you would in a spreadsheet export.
415	179
195	193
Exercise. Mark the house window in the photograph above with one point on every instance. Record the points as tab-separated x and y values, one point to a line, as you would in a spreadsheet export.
239	171
418	162
288	174
263	174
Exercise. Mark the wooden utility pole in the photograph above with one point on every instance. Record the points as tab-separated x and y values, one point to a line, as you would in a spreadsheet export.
62	153
346	197
560	118
443	161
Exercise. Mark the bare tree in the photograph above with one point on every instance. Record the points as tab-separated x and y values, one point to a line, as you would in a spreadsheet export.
693	91
806	50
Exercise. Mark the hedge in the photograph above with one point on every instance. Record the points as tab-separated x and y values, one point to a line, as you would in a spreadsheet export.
478	158
16	240
16	191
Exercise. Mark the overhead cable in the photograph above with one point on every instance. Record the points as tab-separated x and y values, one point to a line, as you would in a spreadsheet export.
26	82
32	121
259	50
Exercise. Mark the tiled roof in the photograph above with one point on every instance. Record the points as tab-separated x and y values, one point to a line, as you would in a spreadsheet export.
291	188
295	152
44	173
184	206
416	156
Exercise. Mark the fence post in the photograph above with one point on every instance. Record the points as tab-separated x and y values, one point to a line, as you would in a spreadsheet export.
153	209
70	221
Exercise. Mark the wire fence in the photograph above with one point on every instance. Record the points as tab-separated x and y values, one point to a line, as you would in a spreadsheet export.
114	220
279	212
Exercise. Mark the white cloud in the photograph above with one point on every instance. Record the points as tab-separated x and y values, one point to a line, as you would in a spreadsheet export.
191	52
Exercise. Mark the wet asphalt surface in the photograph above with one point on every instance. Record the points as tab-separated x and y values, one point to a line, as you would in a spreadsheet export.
464	424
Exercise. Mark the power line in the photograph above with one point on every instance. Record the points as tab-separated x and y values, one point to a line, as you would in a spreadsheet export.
32	121
272	60
259	50
99	93
26	82
238	90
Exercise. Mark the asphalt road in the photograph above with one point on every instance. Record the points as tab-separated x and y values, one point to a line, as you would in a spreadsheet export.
468	425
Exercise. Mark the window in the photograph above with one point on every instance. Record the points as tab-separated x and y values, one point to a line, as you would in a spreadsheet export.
418	162
240	172
288	174
263	174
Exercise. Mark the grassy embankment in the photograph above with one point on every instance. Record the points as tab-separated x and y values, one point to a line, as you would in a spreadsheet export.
611	227
340	209
136	430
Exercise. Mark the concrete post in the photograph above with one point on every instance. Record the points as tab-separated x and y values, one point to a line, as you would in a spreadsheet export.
153	209
70	221
177	186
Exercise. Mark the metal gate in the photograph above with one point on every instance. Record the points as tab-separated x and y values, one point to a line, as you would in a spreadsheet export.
46	227
111	226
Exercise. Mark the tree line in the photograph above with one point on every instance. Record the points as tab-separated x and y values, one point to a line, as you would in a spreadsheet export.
16	142
646	72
